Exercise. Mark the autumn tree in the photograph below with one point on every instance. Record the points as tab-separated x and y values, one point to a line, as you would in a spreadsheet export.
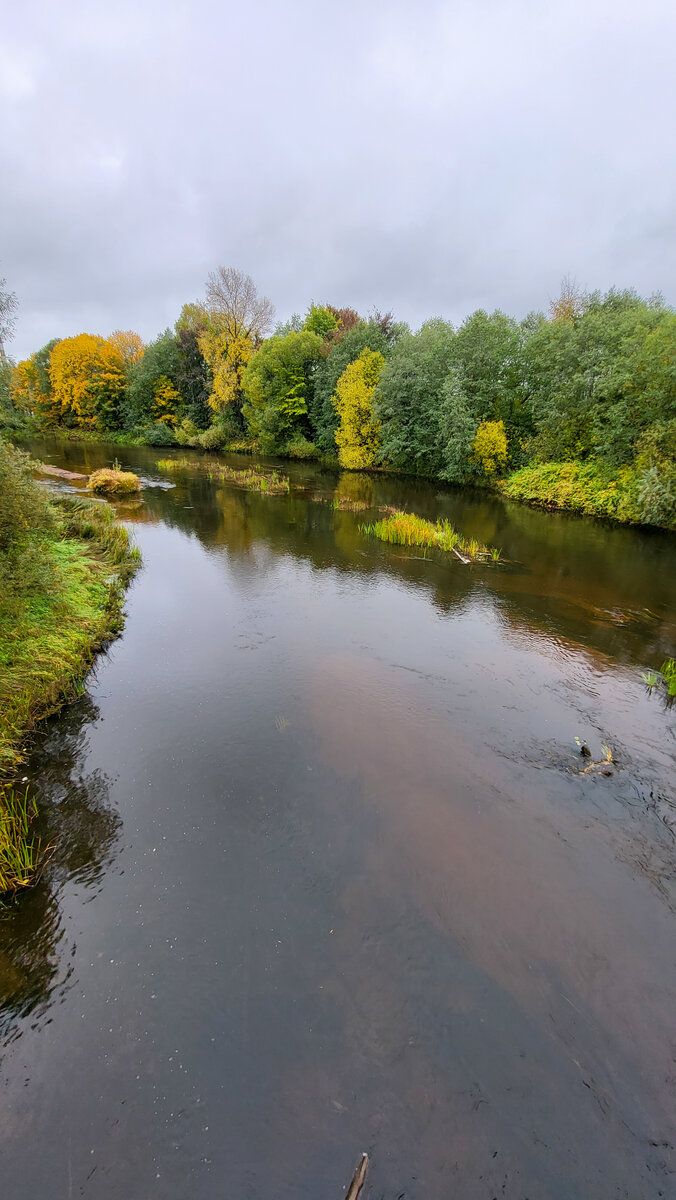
490	446
357	436
129	345
31	386
88	380
238	320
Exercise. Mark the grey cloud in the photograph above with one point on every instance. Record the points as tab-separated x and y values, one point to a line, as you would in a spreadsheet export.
427	158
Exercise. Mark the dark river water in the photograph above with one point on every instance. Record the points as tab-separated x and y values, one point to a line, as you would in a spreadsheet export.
328	877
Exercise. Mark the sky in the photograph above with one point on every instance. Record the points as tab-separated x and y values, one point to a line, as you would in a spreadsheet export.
427	158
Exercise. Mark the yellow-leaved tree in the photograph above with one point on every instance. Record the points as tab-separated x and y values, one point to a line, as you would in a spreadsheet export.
489	448
88	380
358	435
237	321
128	344
166	401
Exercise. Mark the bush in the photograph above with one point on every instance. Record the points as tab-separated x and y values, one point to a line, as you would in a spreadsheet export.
157	434
187	433
301	448
113	483
490	446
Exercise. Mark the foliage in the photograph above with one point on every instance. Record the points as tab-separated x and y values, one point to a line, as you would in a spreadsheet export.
590	487
156	433
301	448
408	398
457	432
321	321
490	446
31	386
358	435
277	383
8	308
238	319
129	346
159	365
88	380
113	483
166	401
408	529
323	416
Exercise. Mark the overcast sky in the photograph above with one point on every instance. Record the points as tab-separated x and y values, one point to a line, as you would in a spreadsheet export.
424	157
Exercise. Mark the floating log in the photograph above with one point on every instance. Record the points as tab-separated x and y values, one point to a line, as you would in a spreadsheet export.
358	1178
72	476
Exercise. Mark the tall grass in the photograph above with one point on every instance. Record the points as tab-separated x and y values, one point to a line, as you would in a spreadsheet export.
268	482
408	529
21	853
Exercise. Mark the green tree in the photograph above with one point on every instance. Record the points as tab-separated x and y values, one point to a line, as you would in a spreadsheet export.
161	361
408	398
277	383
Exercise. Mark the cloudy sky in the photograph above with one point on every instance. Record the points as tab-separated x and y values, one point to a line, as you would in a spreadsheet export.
421	156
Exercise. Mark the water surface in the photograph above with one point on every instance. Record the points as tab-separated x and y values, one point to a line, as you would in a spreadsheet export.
328	875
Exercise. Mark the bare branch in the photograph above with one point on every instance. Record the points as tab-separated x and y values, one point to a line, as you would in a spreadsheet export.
232	296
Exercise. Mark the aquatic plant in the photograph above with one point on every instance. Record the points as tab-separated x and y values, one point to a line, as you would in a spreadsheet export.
408	529
344	504
113	482
20	853
269	482
663	680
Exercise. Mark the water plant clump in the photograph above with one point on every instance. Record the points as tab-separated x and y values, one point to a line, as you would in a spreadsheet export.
408	529
663	680
272	483
21	853
112	482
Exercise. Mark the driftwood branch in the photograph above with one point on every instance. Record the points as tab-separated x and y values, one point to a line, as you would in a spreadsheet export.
358	1178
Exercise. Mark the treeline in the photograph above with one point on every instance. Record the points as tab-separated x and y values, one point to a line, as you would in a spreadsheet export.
591	383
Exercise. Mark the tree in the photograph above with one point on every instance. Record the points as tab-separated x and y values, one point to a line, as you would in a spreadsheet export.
320	320
166	403
88	380
31	387
128	344
457	431
276	385
323	416
161	361
490	446
192	377
8	307
358	435
238	320
408	398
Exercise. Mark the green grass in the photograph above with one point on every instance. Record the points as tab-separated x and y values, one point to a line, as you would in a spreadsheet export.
269	482
21	854
49	634
408	529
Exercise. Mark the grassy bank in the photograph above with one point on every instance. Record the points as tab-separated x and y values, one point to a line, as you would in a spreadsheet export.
64	563
49	635
625	494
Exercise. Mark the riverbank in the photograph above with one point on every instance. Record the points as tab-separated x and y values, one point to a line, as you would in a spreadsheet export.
64	564
641	494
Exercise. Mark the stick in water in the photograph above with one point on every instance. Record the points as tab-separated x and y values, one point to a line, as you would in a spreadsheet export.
358	1178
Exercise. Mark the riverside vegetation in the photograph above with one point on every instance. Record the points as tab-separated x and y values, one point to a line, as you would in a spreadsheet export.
571	409
64	563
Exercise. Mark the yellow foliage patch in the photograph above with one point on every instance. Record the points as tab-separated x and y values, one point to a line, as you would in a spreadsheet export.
358	436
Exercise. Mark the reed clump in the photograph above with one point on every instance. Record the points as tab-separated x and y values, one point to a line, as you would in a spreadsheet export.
271	483
109	482
21	853
408	529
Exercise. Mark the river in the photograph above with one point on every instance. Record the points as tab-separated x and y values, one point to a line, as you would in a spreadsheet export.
328	874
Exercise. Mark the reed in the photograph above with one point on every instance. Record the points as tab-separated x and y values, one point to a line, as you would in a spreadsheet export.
408	529
21	853
271	483
113	482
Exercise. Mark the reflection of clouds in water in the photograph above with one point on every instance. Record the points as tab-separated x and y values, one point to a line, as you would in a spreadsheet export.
75	819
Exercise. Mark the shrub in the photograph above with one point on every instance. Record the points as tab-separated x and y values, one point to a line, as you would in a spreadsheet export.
490	446
113	483
301	448
157	433
213	438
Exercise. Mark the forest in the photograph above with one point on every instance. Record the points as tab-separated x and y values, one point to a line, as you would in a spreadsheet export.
573	408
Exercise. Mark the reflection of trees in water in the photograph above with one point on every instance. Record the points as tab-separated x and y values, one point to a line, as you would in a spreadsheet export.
76	819
569	578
